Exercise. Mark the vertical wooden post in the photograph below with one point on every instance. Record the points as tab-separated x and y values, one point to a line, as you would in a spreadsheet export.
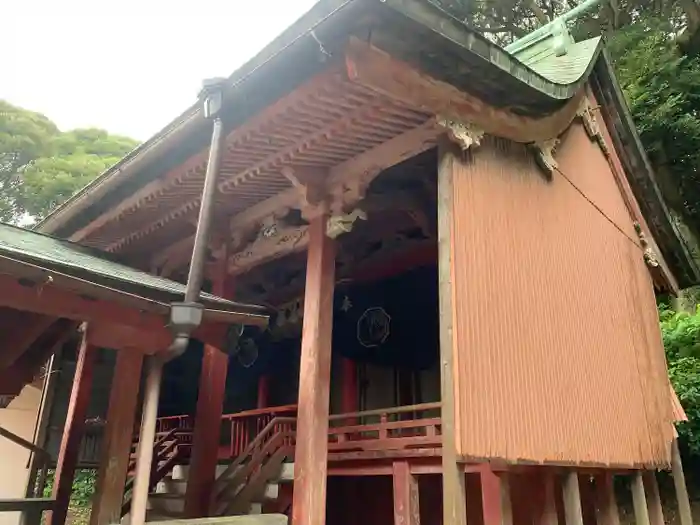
207	420
147	434
549	509
606	503
263	391
117	440
572	499
406	497
349	401
73	430
453	495
35	489
495	497
651	487
311	456
639	500
680	486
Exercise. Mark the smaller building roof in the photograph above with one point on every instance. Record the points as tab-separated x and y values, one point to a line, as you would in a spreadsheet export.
93	266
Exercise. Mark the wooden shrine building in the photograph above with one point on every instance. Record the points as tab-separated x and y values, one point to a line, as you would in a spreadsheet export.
459	247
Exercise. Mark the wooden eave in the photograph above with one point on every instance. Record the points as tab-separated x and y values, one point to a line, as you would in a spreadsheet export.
275	89
39	307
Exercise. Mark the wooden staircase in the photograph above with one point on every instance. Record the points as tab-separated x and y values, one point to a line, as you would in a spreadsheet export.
167	453
253	477
250	485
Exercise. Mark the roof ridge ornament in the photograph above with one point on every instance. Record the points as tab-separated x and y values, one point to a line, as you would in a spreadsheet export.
464	134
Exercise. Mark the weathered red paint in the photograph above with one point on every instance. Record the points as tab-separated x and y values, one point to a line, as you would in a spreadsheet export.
73	432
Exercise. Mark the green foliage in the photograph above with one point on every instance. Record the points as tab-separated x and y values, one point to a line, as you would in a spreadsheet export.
41	167
681	336
83	487
663	90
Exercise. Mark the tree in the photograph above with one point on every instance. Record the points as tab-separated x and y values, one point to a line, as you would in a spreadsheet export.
681	336
662	87
24	137
41	167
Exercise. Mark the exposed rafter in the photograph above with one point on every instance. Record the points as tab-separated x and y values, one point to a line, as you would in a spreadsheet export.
377	70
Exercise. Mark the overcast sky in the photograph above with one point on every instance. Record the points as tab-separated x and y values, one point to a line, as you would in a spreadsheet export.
128	66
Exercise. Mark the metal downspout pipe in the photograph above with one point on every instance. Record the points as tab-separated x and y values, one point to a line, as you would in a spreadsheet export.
186	316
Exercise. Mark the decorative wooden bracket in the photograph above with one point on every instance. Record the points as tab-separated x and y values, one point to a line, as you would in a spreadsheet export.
339	224
590	124
346	195
544	155
311	184
461	133
650	257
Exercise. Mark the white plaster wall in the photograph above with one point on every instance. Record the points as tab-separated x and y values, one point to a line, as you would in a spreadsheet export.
20	418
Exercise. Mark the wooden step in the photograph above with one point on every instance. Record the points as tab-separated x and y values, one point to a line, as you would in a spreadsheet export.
259	519
167	504
287	473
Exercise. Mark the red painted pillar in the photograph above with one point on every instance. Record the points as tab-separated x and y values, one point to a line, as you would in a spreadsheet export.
311	456
495	498
349	399
73	431
263	391
207	421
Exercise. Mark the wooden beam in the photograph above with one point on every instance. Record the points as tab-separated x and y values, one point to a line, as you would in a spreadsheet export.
453	493
345	180
679	484
572	499
73	431
23	336
406	497
197	163
368	165
27	365
207	430
651	487
383	74
49	300
117	439
639	500
311	455
606	502
275	160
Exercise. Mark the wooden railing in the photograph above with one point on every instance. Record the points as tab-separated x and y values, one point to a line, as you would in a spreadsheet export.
245	479
390	429
237	430
394	428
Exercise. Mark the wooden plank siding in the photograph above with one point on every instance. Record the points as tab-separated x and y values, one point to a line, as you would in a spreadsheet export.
557	351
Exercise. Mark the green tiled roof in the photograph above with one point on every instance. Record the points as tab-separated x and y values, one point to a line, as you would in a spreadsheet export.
565	69
94	266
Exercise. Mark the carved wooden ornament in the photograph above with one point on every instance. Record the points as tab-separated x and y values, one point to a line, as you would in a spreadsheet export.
590	124
544	155
462	133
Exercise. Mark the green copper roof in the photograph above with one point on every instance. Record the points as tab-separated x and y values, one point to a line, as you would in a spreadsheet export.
572	67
